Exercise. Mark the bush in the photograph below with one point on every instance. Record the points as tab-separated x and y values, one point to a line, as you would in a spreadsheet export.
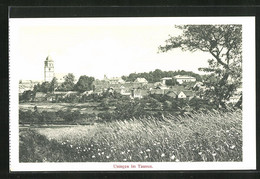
50	117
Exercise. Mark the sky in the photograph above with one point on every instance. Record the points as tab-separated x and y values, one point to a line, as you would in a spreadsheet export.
97	46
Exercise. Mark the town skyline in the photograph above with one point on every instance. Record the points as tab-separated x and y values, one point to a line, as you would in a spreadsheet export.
105	76
114	48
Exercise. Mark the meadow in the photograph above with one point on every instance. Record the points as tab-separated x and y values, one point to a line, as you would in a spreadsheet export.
215	136
88	107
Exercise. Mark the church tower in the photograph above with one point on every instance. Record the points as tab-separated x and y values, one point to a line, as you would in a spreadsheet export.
48	69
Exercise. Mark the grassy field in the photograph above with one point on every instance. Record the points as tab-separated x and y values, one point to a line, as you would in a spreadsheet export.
203	137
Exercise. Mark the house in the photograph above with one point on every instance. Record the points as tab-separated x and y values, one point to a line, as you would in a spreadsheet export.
100	85
162	87
139	93
185	94
141	80
50	97
181	95
25	85
39	96
181	79
171	94
148	86
189	94
157	91
198	85
125	91
98	91
234	99
115	80
158	84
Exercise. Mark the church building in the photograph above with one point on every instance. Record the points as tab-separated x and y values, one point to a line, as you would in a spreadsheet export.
48	69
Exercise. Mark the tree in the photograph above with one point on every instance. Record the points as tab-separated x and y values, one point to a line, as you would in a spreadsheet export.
224	43
53	85
68	83
45	87
26	96
171	82
36	88
84	83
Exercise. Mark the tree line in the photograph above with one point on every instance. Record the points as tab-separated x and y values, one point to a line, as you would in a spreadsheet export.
84	83
157	75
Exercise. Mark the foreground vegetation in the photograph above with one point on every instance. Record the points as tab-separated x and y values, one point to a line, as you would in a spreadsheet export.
215	136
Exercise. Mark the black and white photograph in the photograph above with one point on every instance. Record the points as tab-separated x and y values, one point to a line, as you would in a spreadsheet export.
150	93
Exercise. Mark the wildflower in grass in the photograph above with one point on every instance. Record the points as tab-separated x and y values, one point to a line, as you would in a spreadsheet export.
98	149
102	153
177	160
88	148
71	146
91	145
173	157
148	150
233	146
107	156
128	150
124	159
163	155
99	154
214	154
93	156
154	144
141	152
227	131
146	157
200	153
122	152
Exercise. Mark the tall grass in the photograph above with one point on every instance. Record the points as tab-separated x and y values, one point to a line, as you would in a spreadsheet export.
215	136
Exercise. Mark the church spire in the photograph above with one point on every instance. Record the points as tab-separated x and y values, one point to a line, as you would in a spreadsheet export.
48	69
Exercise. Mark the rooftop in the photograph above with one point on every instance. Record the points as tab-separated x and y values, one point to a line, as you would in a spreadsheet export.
184	77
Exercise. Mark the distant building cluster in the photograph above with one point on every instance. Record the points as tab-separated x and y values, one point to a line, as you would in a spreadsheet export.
139	88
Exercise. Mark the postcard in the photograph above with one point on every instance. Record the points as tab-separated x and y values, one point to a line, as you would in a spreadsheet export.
132	94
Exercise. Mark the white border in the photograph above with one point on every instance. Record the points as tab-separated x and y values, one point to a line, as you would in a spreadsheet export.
249	94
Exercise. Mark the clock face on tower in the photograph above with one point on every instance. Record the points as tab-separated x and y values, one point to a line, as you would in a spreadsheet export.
48	69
